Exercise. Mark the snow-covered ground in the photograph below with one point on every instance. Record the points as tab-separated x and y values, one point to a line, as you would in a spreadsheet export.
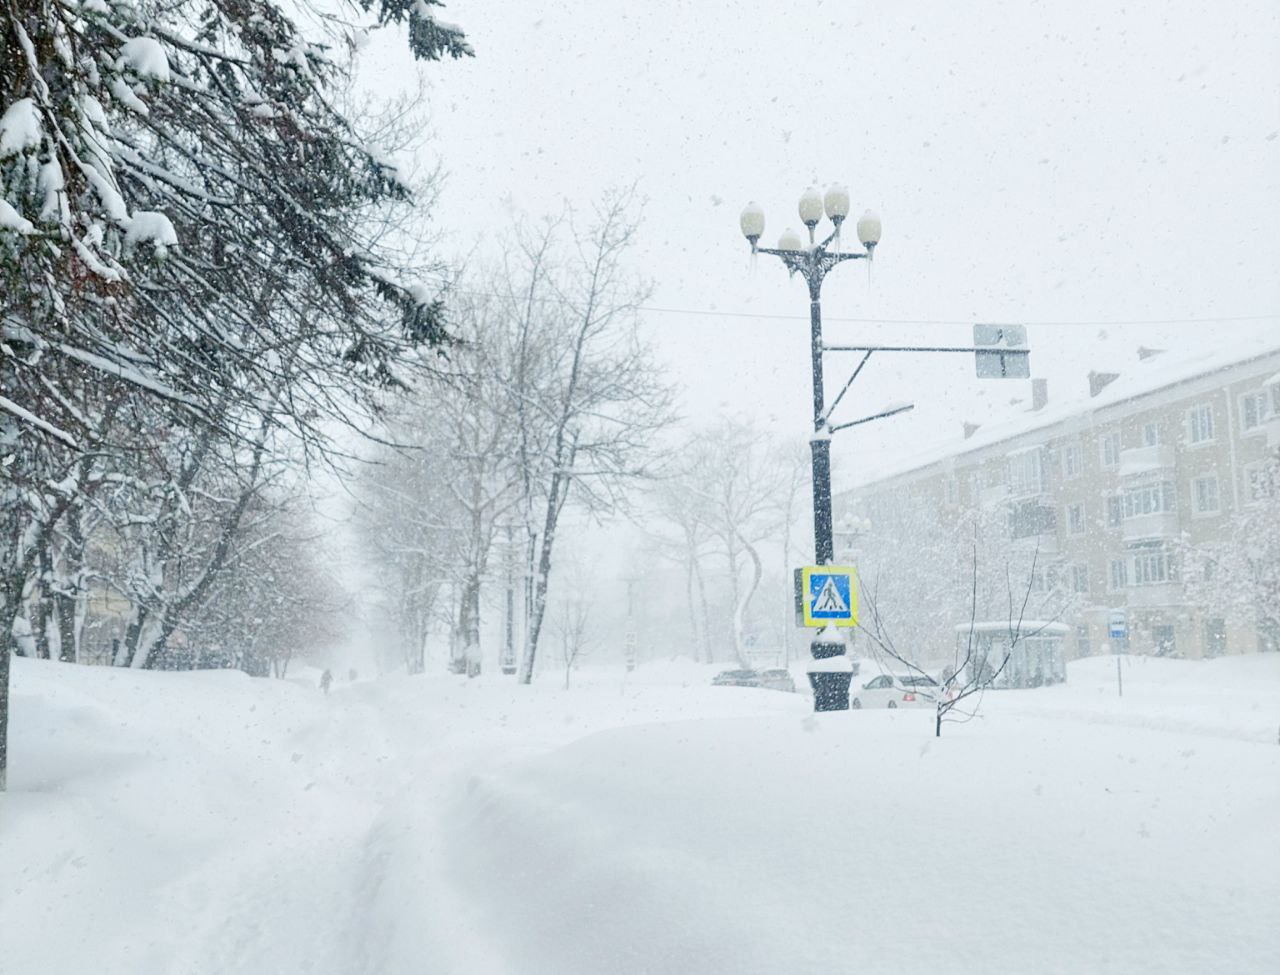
202	823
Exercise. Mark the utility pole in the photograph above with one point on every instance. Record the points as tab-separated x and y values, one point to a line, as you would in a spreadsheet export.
814	262
1000	353
629	649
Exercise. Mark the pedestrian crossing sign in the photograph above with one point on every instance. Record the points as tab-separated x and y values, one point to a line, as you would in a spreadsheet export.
830	595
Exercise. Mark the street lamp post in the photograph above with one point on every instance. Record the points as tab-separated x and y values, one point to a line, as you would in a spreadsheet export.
814	262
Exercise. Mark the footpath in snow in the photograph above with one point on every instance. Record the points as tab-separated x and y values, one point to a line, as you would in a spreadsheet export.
208	822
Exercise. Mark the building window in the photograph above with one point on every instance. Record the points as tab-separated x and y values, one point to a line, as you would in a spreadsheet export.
1115	510
1255	410
1119	574
1026	472
1200	423
1149	499
1206	494
1079	578
1075	519
1152	566
1110	449
1150	435
1259	481
1215	637
1163	638
1071	460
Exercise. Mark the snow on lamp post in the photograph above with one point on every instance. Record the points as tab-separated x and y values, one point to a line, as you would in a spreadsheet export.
813	261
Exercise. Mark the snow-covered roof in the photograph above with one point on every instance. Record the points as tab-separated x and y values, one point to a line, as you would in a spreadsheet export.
1141	378
1023	628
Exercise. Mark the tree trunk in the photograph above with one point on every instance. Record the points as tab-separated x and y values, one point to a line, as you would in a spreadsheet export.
732	554
64	611
693	612
559	484
740	611
469	624
4	709
707	646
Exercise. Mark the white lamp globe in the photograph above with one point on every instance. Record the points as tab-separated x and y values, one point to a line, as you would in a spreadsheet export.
836	202
752	222
790	241
869	229
810	207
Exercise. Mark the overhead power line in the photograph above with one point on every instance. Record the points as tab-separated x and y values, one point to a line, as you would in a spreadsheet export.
970	320
966	321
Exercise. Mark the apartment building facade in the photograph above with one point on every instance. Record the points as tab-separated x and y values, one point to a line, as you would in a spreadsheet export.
1117	494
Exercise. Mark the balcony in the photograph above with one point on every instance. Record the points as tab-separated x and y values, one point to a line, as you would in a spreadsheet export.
1146	460
1161	595
993	495
1161	525
1029	519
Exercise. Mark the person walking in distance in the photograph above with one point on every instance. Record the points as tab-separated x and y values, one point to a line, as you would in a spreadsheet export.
325	680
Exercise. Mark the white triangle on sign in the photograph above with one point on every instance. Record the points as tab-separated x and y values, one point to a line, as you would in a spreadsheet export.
829	599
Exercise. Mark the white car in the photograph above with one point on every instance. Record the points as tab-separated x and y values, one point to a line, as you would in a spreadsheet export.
891	691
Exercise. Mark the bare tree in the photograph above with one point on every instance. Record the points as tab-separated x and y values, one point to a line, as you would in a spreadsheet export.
571	629
687	546
972	670
727	492
593	412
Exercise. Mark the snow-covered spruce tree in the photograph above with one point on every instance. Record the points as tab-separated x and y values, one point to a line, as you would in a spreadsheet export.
183	217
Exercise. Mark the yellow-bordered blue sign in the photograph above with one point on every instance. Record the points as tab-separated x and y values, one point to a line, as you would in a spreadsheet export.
829	595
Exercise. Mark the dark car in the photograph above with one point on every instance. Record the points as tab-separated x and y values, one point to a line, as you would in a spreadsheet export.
777	680
736	678
773	680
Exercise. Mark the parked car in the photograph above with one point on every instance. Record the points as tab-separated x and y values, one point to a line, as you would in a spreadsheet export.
777	679
892	691
774	679
736	678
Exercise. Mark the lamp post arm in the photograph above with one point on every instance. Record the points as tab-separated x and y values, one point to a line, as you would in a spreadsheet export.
878	416
826	418
834	257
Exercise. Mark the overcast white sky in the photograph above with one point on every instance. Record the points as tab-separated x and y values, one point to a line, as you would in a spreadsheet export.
1032	162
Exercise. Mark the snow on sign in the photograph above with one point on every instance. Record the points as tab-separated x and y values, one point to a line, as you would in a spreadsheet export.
830	595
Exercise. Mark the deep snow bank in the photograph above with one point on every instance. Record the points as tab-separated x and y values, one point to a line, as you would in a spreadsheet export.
162	823
1064	841
209	823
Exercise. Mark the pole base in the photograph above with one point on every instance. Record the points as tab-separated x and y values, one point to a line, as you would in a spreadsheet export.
830	690
830	683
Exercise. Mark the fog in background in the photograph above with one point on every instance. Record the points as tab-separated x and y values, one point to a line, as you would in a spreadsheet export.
1108	176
